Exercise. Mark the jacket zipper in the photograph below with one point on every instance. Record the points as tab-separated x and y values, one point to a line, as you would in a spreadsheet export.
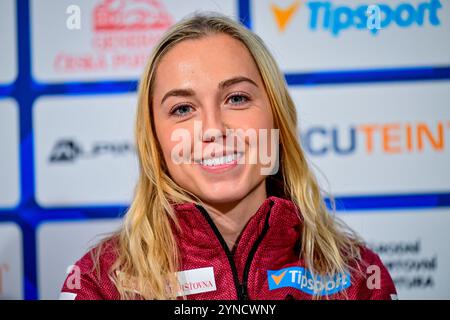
241	288
251	255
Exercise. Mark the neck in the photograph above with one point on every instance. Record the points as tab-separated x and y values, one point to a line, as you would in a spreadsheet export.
231	218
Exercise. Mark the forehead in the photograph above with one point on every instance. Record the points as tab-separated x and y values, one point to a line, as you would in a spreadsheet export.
209	59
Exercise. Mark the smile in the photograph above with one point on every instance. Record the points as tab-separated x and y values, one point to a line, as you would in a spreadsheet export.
219	164
217	161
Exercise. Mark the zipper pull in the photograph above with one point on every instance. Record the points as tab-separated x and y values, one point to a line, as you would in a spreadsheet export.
243	292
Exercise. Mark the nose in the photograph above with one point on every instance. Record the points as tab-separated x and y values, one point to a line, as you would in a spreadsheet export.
214	128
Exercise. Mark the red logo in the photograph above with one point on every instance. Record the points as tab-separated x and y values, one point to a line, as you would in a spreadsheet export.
130	15
197	285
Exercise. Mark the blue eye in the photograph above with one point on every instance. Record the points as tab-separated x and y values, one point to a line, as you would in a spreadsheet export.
181	111
238	99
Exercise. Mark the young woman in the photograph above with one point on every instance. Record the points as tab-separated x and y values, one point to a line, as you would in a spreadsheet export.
219	226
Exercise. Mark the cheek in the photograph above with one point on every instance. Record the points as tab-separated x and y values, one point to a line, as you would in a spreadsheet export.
266	118
176	145
168	145
257	119
163	134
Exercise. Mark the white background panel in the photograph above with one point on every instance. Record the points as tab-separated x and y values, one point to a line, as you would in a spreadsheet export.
11	264
396	164
9	146
91	53
61	244
413	243
95	134
299	48
8	39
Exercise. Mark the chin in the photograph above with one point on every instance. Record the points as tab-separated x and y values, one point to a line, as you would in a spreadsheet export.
223	194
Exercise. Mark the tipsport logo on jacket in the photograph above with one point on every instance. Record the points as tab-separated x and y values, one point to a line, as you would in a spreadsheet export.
303	280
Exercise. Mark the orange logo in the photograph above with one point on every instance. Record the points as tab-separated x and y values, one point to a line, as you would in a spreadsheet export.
130	15
277	279
284	15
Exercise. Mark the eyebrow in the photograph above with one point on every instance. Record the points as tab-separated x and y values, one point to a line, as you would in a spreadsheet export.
230	82
178	93
222	85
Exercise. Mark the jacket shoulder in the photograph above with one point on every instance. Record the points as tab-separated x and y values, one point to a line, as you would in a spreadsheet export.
374	280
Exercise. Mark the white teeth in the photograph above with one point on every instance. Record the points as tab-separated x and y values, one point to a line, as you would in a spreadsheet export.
219	160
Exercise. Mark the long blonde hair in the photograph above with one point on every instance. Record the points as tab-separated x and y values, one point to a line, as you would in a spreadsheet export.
147	254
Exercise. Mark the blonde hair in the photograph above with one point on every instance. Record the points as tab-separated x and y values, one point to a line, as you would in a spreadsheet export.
147	254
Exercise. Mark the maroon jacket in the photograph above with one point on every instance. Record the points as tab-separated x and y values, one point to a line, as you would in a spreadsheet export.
263	265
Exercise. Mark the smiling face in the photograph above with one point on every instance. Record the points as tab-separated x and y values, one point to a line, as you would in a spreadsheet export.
212	83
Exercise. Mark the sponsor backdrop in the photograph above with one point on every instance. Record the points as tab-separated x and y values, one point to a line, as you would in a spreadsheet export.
371	82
